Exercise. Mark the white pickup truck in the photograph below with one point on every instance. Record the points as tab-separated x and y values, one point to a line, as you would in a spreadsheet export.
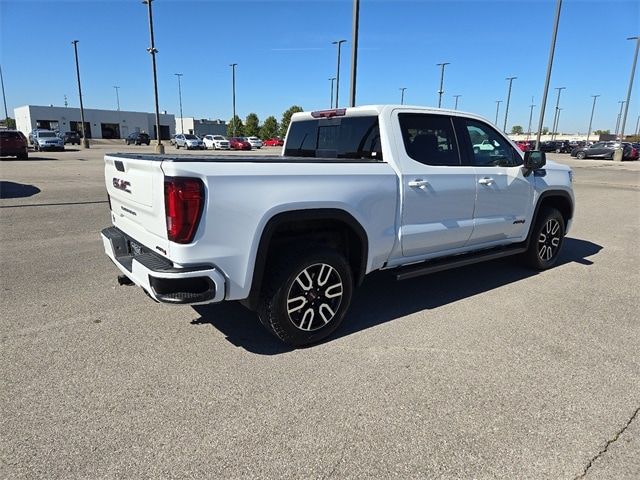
356	190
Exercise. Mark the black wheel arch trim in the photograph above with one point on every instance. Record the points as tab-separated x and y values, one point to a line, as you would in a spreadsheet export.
544	195
303	215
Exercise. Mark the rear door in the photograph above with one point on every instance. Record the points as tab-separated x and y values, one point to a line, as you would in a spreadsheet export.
136	192
438	191
504	195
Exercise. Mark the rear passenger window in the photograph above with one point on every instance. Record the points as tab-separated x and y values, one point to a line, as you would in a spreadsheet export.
429	139
349	137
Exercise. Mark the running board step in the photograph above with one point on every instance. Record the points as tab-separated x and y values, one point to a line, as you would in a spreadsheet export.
441	264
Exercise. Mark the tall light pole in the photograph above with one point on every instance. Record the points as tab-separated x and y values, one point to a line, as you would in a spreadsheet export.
621	102
593	109
402	89
332	79
555	115
441	91
117	96
552	50
498	102
4	99
179	75
233	89
456	105
633	71
85	140
339	44
531	107
506	111
558	121
152	50
638	126
354	52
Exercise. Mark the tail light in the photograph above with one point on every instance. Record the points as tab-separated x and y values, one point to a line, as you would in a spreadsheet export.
183	202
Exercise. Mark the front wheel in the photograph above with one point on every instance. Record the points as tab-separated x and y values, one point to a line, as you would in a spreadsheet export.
306	296
546	240
581	155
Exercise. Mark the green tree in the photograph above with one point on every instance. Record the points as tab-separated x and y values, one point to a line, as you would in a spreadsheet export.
545	130
602	132
239	127
517	130
286	119
269	128
251	125
10	123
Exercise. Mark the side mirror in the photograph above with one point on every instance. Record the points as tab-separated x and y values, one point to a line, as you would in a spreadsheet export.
534	160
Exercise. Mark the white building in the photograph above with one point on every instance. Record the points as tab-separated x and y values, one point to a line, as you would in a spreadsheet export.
201	126
98	123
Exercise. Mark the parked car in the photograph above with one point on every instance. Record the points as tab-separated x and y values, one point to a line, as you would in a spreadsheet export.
239	143
138	138
558	146
13	144
273	142
47	140
71	137
216	142
603	150
255	142
385	187
172	140
189	141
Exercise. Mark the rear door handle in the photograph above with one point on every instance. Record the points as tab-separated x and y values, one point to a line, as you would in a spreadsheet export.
419	183
486	181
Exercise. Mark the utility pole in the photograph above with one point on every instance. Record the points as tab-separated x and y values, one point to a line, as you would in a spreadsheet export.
498	102
152	51
506	112
626	108
85	140
339	44
354	52
593	108
402	89
441	91
179	75
531	107
552	50
555	115
4	99
456	105
117	97
332	79
558	121
233	83
638	126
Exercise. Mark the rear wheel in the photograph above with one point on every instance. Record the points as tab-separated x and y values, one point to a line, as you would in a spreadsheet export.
546	240
306	296
23	156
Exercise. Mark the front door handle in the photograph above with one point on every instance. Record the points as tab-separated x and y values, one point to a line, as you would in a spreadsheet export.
419	183
486	181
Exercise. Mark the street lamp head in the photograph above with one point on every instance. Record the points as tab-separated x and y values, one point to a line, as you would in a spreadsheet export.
443	64
75	42
233	64
147	2
338	42
511	78
632	38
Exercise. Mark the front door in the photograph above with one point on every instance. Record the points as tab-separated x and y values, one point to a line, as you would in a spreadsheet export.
438	192
504	194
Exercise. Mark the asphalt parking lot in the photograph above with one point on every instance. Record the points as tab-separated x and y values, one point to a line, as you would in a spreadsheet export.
490	371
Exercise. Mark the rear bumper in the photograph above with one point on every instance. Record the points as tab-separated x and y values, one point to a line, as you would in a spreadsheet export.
164	282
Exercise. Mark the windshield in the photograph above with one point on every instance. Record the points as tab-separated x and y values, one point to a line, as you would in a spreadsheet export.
46	134
190	137
219	137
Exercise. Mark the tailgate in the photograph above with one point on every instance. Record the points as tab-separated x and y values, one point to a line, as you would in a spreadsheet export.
136	190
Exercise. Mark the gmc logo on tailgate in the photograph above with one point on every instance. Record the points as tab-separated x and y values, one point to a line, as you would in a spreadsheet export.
121	185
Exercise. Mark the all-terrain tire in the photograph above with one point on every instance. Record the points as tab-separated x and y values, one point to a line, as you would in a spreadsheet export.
306	295
546	240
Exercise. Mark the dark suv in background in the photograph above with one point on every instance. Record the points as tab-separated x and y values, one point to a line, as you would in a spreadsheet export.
71	137
558	146
13	144
138	138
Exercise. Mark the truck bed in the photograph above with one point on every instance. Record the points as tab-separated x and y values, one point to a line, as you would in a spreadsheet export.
238	158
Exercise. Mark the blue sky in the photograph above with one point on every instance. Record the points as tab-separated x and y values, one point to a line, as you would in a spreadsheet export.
285	57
